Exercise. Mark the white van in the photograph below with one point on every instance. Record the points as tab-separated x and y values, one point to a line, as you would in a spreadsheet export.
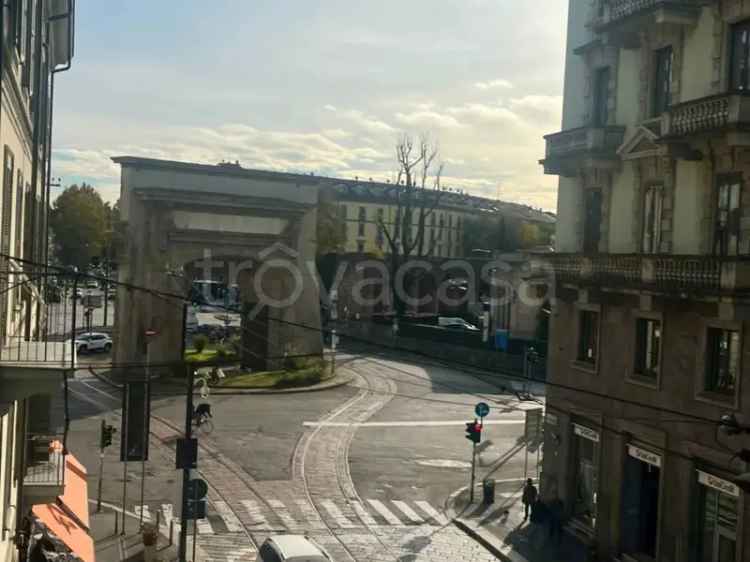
291	548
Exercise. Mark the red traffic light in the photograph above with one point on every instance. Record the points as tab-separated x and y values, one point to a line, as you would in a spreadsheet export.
474	431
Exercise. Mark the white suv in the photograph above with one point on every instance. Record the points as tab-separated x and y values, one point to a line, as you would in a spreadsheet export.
93	341
291	548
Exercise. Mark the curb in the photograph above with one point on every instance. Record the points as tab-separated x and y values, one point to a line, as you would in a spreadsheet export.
485	538
338	380
486	542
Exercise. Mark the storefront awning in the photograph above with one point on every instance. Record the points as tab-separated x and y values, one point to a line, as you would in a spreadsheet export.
67	520
61	527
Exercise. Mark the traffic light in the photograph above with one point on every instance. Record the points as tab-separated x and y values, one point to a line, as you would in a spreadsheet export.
474	431
105	438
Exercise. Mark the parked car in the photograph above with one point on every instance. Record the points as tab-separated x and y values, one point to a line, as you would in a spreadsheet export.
76	295
456	324
93	342
291	548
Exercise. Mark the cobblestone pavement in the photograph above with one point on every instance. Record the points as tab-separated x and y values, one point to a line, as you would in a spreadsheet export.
320	500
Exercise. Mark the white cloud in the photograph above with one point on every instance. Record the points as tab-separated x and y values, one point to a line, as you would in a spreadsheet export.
329	107
426	119
492	84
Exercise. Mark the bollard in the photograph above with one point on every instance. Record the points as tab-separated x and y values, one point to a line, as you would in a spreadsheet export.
158	526
488	491
171	532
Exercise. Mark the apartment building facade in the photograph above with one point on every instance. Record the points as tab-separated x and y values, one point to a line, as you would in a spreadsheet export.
363	206
41	484
649	329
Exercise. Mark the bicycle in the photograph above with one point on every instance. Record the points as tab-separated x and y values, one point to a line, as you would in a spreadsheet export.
202	421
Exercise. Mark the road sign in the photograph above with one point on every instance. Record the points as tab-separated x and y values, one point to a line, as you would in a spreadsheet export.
482	409
534	420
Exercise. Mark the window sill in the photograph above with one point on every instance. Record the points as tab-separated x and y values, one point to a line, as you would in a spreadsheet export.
644	381
590	368
718	399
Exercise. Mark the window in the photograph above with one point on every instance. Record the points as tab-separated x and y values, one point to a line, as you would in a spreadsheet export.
662	91
593	221
362	218
380	215
7	216
718	523
442	225
647	347
19	214
739	58
722	360
268	554
727	226
601	97
361	247
586	455
588	336
652	206
342	212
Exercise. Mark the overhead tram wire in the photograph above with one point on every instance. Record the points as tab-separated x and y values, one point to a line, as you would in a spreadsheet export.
182	299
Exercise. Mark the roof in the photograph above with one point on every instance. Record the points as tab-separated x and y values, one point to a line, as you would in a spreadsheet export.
295	545
362	190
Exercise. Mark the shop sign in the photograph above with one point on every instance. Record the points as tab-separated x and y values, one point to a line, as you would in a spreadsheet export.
643	455
724	486
586	433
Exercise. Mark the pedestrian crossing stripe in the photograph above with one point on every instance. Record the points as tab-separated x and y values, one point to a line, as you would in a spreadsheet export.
273	514
230	519
385	512
434	514
337	515
282	512
408	511
363	514
254	511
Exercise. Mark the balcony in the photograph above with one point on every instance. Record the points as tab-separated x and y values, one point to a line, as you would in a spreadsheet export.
45	468
569	151
622	20
659	273
724	112
35	342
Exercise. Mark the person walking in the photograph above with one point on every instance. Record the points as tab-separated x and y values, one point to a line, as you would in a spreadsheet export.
529	497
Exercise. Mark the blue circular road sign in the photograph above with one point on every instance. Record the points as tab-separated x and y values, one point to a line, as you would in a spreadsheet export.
482	409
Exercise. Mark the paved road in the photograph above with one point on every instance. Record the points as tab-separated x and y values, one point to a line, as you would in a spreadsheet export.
365	469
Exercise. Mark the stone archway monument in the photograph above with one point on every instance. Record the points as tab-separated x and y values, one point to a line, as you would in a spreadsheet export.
255	228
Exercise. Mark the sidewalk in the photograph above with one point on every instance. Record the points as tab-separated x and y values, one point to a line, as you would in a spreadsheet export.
501	529
114	547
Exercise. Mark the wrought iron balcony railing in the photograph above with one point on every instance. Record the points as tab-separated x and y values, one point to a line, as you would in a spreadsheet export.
45	467
567	150
629	13
667	273
713	113
40	311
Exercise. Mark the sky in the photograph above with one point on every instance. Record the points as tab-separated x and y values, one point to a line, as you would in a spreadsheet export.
321	86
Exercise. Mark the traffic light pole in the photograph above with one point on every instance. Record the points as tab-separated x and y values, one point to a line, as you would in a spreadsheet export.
101	468
182	551
473	471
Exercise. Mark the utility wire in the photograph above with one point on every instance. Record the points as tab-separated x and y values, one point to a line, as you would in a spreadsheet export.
182	299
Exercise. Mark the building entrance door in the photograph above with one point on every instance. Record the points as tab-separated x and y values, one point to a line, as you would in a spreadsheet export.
640	508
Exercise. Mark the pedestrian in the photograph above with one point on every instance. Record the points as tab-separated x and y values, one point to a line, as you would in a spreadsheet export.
539	518
530	495
556	509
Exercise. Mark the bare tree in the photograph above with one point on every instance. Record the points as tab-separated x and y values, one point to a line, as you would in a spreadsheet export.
418	194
